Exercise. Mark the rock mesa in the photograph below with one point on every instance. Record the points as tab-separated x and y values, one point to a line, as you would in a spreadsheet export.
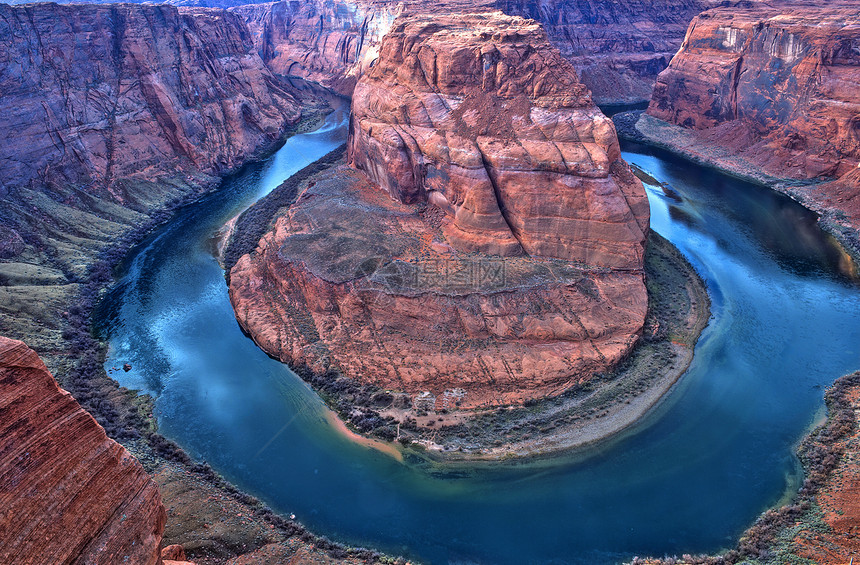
491	250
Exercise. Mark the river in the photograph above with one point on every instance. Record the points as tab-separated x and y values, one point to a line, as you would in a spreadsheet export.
691	477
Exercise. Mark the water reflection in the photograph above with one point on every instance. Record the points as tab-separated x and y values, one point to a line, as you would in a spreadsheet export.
787	233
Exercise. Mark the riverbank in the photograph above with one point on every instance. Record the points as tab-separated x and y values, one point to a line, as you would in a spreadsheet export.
213	520
588	413
819	524
642	128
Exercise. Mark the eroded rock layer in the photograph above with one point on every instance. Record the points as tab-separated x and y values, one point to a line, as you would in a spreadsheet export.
479	116
327	42
618	47
109	112
349	279
779	85
68	493
95	94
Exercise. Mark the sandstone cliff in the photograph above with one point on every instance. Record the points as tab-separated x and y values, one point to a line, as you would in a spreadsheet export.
495	256
68	493
109	112
328	42
773	89
617	46
486	121
779	84
96	94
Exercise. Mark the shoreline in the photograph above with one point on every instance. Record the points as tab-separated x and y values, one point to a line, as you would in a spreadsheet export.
639	127
195	496
575	420
791	528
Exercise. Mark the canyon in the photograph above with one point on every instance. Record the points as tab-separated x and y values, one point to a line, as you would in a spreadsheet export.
617	48
110	115
506	233
113	117
481	245
771	92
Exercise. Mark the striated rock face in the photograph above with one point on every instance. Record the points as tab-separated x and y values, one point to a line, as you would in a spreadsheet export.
69	494
93	95
777	85
492	251
479	116
328	42
617	46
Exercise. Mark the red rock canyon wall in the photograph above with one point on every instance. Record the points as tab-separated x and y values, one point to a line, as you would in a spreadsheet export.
777	83
617	47
68	493
778	87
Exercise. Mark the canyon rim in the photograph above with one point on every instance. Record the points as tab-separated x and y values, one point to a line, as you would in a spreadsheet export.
473	276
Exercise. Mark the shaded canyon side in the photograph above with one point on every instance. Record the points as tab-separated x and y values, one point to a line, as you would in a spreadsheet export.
618	48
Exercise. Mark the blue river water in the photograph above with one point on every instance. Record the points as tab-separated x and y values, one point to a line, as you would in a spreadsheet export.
689	478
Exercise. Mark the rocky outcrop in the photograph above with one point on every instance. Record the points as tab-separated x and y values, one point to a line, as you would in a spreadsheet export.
495	254
619	46
69	494
776	84
331	43
110	112
479	116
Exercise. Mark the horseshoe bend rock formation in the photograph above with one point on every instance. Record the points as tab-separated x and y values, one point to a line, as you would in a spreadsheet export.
69	494
493	252
776	86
